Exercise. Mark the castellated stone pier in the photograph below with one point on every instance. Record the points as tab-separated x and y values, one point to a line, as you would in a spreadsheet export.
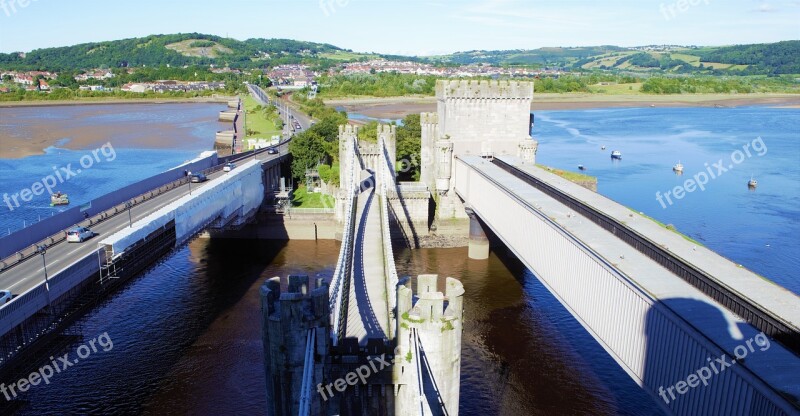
287	317
433	326
483	118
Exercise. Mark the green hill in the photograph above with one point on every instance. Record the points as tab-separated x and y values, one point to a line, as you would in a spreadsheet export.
173	50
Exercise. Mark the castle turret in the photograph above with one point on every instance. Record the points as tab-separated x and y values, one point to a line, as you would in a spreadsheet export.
429	122
429	347
288	318
348	135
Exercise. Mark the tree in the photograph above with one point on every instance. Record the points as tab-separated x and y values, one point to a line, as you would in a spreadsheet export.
308	150
409	148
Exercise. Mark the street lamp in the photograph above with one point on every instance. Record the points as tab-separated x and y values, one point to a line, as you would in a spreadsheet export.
129	205
42	250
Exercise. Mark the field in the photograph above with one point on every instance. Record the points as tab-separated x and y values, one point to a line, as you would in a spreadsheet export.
346	56
301	198
258	125
186	49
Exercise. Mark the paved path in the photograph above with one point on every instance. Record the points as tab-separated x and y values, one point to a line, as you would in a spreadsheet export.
367	316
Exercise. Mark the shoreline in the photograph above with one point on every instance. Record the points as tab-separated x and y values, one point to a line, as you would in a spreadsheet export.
399	107
36	137
53	103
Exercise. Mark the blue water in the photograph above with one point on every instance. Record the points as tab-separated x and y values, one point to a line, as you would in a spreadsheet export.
758	228
186	129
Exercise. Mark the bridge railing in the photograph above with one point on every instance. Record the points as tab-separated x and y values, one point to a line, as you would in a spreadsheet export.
387	179
308	375
341	275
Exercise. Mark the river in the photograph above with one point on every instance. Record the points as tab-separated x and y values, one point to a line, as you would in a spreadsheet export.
186	334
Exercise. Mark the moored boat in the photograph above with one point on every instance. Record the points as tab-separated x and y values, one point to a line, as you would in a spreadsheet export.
616	154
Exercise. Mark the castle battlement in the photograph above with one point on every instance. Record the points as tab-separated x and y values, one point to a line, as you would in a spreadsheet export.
428	118
429	312
386	129
483	89
348	129
298	303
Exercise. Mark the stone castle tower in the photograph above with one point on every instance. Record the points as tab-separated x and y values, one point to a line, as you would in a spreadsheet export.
287	318
482	118
433	325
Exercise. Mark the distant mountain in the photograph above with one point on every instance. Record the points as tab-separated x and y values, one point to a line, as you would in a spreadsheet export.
770	58
200	49
175	50
542	56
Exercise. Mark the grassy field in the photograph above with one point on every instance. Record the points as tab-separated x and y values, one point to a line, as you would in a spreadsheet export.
258	125
186	49
301	198
346	56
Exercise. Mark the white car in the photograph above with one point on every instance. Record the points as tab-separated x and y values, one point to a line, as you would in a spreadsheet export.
79	235
228	167
5	296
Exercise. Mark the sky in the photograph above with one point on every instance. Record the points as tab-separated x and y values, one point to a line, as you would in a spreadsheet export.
408	27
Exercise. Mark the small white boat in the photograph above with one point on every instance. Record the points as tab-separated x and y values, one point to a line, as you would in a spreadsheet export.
752	183
678	168
581	167
602	148
616	154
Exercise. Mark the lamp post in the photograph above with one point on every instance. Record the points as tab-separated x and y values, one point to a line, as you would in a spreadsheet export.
42	250
129	205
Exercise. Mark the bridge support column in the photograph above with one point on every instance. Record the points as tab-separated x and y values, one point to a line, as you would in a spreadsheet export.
478	242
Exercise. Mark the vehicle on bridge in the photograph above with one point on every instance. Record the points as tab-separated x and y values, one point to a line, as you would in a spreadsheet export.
5	296
79	235
272	151
199	177
228	167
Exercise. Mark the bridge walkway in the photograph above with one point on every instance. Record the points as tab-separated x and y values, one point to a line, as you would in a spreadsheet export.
367	316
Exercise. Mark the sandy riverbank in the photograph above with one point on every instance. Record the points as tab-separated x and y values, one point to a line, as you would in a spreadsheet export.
28	130
399	107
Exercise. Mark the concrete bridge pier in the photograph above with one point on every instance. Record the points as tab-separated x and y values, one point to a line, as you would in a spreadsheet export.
478	242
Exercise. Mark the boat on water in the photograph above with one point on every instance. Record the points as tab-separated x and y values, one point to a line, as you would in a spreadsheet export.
616	154
678	168
581	167
602	147
752	183
58	198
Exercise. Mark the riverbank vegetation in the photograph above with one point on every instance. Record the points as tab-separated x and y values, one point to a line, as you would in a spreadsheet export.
395	85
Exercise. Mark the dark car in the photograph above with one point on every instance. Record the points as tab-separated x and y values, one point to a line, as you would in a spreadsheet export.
272	151
199	177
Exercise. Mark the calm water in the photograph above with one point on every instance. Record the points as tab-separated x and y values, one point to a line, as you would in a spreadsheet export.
137	133
758	229
187	337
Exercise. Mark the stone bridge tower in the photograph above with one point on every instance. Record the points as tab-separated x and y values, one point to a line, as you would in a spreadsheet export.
483	118
429	347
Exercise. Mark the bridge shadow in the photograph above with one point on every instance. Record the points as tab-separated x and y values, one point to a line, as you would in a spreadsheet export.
365	308
429	385
686	374
412	240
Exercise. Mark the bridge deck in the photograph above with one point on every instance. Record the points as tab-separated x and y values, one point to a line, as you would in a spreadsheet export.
367	316
780	368
757	290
